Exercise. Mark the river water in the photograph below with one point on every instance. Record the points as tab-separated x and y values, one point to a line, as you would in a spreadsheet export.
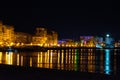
102	61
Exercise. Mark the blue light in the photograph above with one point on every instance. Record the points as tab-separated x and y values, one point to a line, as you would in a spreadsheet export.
98	46
107	61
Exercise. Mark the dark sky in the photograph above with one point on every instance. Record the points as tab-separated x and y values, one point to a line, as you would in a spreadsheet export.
68	22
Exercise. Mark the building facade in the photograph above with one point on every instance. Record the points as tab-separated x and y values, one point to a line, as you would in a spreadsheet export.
87	41
43	37
109	41
1	33
22	38
6	35
40	37
52	38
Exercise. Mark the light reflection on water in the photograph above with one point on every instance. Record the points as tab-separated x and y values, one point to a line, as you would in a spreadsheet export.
84	60
107	61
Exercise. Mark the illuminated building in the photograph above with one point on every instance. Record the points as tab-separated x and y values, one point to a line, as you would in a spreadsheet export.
49	39
44	37
37	40
66	43
99	39
52	38
42	32
40	37
108	41
117	43
99	42
1	33
6	35
87	41
69	42
55	37
22	38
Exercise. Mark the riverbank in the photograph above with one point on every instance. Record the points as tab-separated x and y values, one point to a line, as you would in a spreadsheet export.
8	72
44	49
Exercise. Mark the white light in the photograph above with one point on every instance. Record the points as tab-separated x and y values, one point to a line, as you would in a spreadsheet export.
107	35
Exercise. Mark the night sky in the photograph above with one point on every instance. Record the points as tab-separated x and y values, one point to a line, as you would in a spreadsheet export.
68	22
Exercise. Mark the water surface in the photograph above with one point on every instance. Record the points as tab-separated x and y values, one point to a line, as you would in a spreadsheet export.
85	60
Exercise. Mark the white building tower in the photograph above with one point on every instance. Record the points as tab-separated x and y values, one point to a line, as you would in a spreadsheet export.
108	41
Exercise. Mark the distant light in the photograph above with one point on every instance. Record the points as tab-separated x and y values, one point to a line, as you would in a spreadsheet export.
107	35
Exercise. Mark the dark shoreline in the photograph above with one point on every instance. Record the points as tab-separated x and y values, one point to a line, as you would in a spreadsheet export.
44	49
10	72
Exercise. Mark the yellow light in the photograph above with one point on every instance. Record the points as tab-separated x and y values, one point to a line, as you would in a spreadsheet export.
17	59
38	44
41	44
9	58
58	45
45	45
38	60
21	60
1	42
72	45
22	44
30	61
11	43
55	44
81	44
62	45
17	44
0	57
66	45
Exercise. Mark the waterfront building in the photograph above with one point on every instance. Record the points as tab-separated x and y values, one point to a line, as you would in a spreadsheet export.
66	43
60	42
1	33
6	35
52	38
109	41
38	40
42	32
43	37
49	41
117	43
22	38
40	37
99	42
87	41
55	38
